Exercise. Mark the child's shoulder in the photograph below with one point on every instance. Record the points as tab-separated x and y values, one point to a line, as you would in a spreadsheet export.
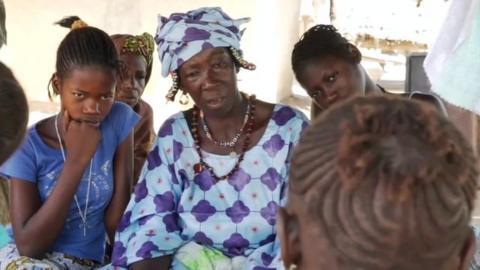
120	121
119	112
39	131
143	106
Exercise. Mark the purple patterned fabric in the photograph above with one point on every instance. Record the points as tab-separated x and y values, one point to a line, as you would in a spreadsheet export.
120	259
171	223
202	239
239	179
236	245
173	205
273	145
146	250
283	116
238	211
203	210
203	180
271	178
164	202
183	35
270	212
125	221
153	160
140	191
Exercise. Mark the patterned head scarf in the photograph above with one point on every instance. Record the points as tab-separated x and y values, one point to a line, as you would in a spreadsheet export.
141	45
183	35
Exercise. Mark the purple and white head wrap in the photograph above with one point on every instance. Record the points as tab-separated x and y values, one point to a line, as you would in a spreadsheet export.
183	35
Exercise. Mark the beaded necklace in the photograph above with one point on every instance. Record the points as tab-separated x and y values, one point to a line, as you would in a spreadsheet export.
202	165
83	216
235	138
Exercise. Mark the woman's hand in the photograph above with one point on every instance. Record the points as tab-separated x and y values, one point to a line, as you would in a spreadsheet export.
81	138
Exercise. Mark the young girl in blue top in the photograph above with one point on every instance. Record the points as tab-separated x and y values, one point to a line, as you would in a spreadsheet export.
70	180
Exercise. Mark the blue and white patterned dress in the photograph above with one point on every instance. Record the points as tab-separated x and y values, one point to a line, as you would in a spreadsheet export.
172	205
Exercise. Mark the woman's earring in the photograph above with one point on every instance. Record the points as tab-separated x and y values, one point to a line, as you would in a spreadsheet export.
184	99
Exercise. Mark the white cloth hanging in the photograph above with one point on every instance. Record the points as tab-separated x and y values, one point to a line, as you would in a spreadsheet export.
452	65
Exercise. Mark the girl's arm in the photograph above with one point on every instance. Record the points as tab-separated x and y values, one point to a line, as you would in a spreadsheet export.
36	226
122	185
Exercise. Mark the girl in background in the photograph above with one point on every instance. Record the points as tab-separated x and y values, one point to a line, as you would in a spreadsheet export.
136	57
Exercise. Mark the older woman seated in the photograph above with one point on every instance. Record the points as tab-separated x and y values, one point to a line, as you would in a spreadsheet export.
208	195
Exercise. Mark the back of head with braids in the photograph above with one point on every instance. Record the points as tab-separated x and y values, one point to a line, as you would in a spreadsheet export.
83	46
320	41
388	183
13	111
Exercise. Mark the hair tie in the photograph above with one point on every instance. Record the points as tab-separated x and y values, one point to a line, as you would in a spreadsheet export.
78	24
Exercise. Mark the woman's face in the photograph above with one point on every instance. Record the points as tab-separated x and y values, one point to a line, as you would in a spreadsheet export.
330	79
210	79
131	79
87	93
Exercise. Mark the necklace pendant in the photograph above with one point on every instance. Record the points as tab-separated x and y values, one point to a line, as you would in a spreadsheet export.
85	229
198	168
233	154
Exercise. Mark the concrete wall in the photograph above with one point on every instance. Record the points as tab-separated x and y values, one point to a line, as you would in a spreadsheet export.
33	39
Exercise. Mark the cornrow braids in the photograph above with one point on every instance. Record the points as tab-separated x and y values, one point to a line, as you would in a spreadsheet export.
390	183
83	46
320	41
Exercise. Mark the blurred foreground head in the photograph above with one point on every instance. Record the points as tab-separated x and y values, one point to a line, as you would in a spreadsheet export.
13	113
380	183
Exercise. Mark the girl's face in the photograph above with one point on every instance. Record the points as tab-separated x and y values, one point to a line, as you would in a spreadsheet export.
131	82
330	79
87	93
